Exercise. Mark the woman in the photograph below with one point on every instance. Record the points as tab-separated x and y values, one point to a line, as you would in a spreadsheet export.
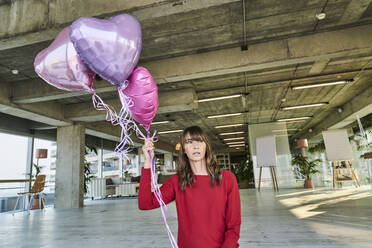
207	199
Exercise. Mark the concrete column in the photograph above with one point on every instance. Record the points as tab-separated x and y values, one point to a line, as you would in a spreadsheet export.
69	190
168	161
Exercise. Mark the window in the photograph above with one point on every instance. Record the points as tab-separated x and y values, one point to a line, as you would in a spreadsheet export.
13	163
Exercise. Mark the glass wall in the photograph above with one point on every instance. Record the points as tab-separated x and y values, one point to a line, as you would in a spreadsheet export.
325	177
105	163
284	170
13	163
13	166
47	165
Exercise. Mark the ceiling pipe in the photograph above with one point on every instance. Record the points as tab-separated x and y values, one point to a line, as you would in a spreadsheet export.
244	47
322	11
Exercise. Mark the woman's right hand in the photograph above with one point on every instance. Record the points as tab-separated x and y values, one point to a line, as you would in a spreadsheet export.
148	146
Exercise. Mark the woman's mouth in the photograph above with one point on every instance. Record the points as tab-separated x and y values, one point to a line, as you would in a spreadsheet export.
196	153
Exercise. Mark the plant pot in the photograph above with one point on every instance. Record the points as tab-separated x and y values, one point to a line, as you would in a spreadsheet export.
308	184
243	184
36	204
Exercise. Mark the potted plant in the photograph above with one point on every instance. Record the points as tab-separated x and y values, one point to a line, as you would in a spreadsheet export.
306	168
244	174
88	175
127	176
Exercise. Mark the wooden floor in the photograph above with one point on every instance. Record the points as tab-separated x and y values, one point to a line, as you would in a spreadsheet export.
291	218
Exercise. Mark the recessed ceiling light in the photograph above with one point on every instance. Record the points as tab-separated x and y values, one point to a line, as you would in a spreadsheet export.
14	71
237	145
232	125
295	119
231	133
159	122
305	106
234	143
281	135
170	131
224	115
237	138
179	3
284	130
320	85
218	98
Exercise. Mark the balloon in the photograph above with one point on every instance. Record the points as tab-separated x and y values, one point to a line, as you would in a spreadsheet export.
143	94
111	48
60	65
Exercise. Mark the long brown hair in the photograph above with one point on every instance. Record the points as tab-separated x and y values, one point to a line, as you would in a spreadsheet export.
184	171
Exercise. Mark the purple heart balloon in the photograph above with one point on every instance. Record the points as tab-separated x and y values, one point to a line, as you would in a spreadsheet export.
60	65
111	48
143	92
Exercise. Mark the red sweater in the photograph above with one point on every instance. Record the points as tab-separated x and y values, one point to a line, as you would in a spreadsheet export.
207	217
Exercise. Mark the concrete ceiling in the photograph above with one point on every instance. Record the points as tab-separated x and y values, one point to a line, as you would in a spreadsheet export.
195	50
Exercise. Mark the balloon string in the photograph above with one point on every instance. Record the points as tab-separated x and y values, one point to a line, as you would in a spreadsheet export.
126	123
125	120
99	104
163	206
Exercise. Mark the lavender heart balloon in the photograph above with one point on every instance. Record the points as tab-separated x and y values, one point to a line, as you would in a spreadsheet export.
60	65
143	94
111	48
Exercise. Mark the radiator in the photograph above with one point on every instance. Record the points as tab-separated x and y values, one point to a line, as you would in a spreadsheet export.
97	187
126	189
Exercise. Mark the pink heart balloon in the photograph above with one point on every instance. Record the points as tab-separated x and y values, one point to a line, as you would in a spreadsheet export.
60	65
111	48
143	92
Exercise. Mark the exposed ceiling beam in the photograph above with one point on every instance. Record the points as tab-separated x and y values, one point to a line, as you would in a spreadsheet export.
360	105
49	17
318	66
37	90
107	131
49	113
169	102
354	11
292	51
319	47
12	124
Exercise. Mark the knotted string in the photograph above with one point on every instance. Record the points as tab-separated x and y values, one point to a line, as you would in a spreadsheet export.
126	123
125	120
163	206
99	104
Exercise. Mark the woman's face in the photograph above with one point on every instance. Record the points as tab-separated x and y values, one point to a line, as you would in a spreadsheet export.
194	149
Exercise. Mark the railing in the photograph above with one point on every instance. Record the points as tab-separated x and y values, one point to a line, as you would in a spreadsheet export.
9	189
